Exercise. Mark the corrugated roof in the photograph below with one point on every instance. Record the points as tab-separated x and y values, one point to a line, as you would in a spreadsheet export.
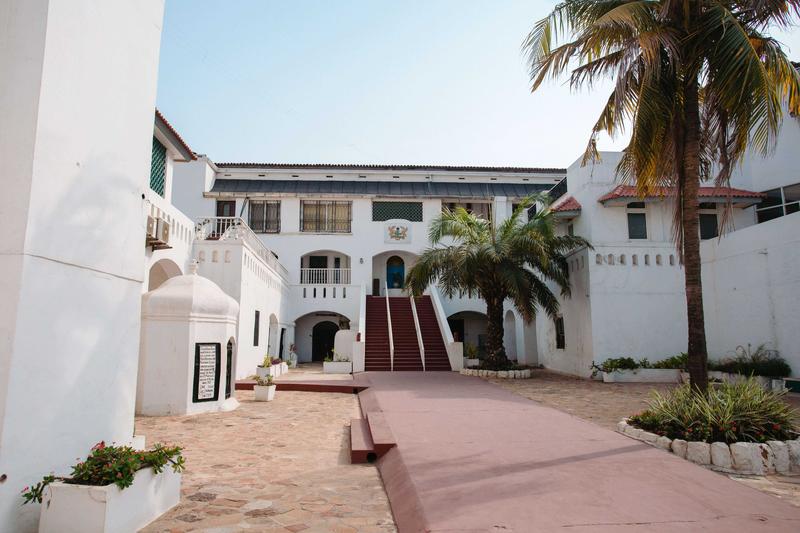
389	168
469	189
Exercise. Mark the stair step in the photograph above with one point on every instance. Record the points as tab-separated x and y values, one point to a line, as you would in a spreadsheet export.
362	447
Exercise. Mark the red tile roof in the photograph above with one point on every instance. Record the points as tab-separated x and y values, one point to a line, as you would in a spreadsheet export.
629	191
565	203
177	135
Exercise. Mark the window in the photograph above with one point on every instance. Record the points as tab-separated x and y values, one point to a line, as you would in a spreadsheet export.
265	217
570	230
637	221
325	216
158	167
708	226
411	211
560	337
779	202
482	210
256	324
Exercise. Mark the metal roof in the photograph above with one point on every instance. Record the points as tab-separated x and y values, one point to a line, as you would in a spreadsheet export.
379	167
467	189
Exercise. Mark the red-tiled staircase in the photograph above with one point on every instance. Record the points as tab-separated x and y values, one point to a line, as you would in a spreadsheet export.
376	352
435	351
404	335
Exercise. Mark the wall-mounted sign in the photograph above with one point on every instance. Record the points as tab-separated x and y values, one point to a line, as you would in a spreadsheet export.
397	231
206	372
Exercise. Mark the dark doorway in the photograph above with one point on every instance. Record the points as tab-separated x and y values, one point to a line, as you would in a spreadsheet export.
319	261
280	346
322	340
395	272
225	208
457	328
229	371
376	287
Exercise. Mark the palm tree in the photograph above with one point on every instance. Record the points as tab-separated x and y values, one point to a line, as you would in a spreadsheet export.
512	260
697	81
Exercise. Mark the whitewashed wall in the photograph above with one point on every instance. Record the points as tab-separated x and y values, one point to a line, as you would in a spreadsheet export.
70	264
751	289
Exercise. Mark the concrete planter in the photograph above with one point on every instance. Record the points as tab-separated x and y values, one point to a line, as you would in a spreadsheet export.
284	368
264	371
643	375
502	374
726	377
88	509
471	362
337	367
264	393
750	458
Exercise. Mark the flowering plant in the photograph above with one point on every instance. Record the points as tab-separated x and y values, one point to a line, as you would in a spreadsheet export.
112	464
264	382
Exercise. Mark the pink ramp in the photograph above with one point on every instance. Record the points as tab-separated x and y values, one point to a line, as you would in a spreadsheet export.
472	457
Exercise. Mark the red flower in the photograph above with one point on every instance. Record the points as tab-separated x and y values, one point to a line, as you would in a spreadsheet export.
99	446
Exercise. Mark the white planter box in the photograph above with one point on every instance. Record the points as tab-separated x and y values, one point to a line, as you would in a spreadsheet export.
264	371
643	375
284	368
471	362
86	509
337	367
727	377
264	393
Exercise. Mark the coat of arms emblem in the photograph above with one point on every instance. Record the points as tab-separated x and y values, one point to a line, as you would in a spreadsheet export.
398	233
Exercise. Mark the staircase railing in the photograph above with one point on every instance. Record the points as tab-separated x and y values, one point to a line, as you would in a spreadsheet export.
389	324
455	350
419	332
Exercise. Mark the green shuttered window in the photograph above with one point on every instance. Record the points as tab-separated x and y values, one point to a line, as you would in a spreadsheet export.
158	167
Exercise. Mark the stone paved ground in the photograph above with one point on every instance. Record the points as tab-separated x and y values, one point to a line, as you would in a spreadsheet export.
606	404
280	466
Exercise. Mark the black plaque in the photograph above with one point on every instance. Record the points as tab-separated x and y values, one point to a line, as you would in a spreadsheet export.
206	371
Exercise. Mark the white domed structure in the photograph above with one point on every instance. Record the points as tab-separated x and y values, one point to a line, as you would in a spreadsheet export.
187	360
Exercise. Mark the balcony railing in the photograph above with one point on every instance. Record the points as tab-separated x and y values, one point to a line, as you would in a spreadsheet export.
234	228
325	276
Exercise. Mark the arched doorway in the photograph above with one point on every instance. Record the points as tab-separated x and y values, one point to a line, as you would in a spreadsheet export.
322	336
229	375
161	271
395	272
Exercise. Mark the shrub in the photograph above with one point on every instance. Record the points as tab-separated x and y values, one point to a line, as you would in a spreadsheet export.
112	464
264	382
741	412
470	350
761	362
618	363
267	361
679	362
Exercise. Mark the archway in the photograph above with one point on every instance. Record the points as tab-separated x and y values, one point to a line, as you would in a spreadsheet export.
469	327
395	272
322	336
510	335
161	271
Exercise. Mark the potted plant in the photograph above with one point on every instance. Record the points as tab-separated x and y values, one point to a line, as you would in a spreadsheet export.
338	364
763	365
117	488
627	370
471	355
266	368
264	389
292	356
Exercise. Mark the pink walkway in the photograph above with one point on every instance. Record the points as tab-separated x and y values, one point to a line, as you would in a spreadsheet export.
471	456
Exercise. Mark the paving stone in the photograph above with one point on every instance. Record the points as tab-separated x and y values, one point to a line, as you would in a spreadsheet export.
678	447
721	455
767	458
649	438
794	455
664	443
745	457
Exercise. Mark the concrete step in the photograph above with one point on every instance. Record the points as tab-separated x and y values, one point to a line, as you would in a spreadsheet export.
362	447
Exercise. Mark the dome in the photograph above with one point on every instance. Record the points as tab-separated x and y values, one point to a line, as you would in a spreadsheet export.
187	296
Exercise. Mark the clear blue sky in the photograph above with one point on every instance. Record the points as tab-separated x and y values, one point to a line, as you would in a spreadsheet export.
369	81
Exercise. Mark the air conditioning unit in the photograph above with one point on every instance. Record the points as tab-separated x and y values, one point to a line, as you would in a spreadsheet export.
162	231
151	229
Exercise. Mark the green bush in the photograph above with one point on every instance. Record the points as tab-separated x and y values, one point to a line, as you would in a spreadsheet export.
678	362
761	362
741	412
619	363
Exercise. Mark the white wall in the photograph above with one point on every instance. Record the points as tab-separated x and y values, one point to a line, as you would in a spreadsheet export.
71	266
751	289
758	173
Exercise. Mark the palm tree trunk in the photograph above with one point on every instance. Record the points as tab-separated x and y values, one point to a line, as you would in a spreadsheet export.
697	351
495	352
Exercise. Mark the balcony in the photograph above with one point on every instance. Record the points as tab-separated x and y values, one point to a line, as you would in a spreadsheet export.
325	276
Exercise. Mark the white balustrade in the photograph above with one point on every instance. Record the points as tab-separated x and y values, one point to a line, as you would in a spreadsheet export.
325	276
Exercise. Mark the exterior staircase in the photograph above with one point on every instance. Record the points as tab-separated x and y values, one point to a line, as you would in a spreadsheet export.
435	350
404	336
376	351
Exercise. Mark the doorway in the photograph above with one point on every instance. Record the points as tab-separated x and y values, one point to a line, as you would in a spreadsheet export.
322	336
395	272
229	371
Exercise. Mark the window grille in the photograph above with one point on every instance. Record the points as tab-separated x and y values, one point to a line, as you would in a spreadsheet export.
324	216
411	211
158	167
265	217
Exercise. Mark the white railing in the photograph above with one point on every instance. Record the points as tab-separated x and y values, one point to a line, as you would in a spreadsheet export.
455	349
325	276
234	228
389	323
362	314
419	332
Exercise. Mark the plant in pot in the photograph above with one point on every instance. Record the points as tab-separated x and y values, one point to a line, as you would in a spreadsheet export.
117	488
264	389
267	368
471	355
292	356
627	370
337	364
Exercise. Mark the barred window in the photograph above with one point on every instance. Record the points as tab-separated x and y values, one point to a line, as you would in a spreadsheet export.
411	211
265	217
326	216
158	167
